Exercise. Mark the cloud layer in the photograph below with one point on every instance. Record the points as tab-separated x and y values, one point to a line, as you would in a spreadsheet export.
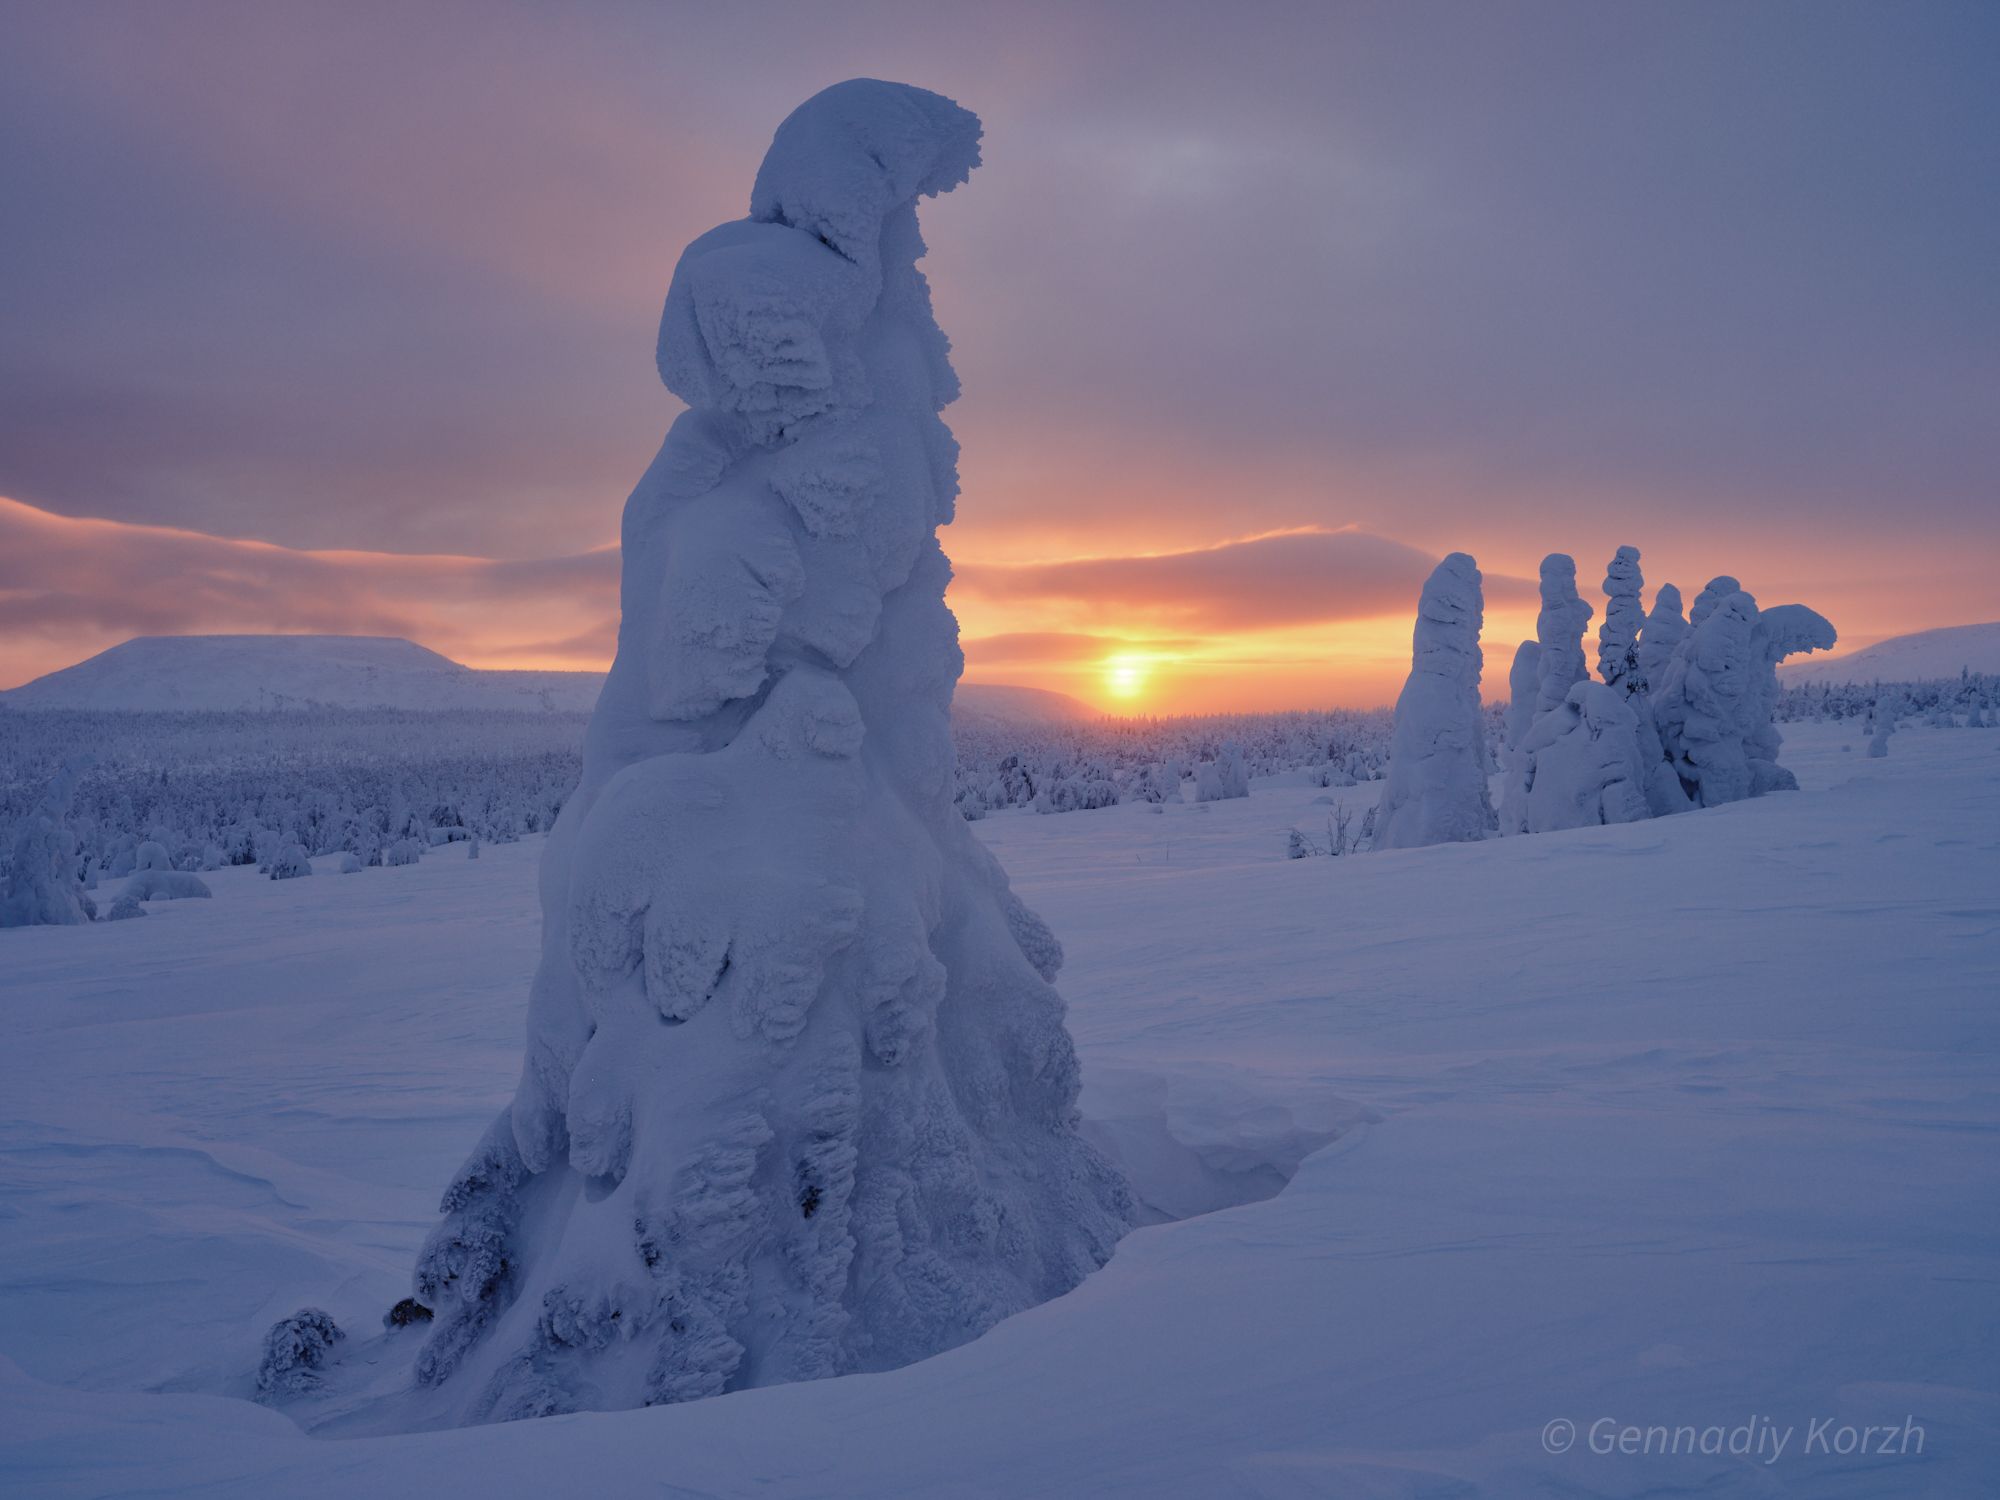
1259	583
70	587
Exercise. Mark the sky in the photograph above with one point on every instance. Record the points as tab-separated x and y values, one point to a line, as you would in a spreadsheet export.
340	317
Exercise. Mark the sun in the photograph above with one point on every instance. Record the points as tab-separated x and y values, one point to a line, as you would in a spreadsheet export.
1125	676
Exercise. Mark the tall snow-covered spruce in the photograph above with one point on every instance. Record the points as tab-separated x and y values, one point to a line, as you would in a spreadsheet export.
1559	666
1624	619
1437	792
798	1096
1559	628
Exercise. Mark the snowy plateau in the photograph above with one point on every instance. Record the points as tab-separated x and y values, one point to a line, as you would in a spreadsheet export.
1683	1124
266	673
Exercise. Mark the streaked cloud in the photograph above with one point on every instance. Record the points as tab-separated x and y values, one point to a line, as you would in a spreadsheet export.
71	586
1257	583
1326	608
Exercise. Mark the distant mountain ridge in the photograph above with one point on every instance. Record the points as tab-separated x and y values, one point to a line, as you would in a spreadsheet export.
1917	657
253	673
273	673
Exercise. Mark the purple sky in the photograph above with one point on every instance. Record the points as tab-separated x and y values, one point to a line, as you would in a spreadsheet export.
1717	280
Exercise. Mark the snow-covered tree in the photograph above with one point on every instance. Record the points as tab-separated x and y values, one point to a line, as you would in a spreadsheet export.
1585	765
1524	686
1719	588
1624	618
1704	702
45	878
798	1097
1664	630
1437	790
1715	705
1559	628
1223	778
1559	666
1782	630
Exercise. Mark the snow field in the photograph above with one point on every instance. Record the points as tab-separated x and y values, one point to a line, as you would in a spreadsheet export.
1683	1121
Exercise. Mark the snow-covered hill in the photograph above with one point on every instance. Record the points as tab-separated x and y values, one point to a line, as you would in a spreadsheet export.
998	703
236	673
152	673
1918	657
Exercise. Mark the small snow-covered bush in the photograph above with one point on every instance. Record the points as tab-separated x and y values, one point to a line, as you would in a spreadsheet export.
296	1351
402	852
350	863
407	1313
289	862
123	908
166	885
44	882
152	856
1223	778
1157	782
1077	794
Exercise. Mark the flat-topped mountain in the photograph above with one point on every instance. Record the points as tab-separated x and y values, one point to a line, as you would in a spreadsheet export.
153	673
253	673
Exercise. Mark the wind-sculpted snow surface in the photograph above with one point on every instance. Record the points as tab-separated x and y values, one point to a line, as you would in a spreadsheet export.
1437	792
798	1098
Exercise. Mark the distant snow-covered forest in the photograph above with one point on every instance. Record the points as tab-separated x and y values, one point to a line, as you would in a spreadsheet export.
230	788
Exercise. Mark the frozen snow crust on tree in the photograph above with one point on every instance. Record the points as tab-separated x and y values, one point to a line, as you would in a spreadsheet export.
798	1097
1437	790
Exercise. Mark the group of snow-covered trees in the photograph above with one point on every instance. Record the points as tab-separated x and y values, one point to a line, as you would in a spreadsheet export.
1681	713
1095	763
1970	700
220	789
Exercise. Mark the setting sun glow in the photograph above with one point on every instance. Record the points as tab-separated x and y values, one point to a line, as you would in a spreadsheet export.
1124	676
